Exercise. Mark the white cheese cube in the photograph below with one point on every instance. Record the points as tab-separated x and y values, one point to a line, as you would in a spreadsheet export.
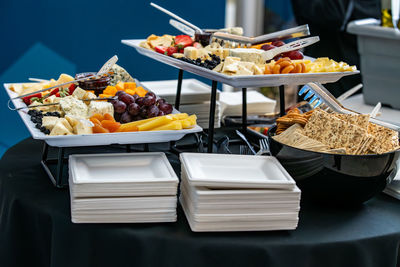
60	129
100	107
248	54
49	122
191	52
72	106
79	93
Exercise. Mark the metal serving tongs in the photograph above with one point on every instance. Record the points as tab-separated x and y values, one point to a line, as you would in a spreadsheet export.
55	104
320	97
295	32
103	71
197	29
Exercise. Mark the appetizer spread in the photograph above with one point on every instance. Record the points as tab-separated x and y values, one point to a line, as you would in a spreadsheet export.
113	103
240	61
320	131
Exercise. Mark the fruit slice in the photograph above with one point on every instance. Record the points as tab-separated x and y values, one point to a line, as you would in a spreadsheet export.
110	125
109	117
127	127
99	129
179	116
173	125
156	122
98	116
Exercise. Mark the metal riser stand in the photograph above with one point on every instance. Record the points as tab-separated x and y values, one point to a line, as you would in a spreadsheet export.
213	100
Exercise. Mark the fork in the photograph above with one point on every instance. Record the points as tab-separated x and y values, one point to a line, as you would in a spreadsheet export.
264	147
320	97
245	150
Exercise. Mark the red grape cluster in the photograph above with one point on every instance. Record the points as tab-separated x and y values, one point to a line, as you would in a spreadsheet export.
129	108
292	54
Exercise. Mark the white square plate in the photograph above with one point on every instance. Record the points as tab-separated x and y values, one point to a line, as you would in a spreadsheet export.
235	171
127	168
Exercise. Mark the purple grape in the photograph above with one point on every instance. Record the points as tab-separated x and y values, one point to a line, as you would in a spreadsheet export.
119	107
152	111
160	113
135	96
134	109
267	47
117	116
127	99
119	93
126	117
161	101
139	101
137	118
150	94
143	112
166	108
149	101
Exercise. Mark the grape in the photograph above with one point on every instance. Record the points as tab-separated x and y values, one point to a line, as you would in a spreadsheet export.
278	43
161	101
117	116
160	113
143	112
137	118
135	96
119	107
139	101
166	108
126	117
267	47
119	93
149	100
294	55
152	111
126	98
151	94
134	109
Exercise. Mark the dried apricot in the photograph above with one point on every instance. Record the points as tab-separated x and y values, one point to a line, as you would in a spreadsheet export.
99	129
109	117
110	125
98	116
95	121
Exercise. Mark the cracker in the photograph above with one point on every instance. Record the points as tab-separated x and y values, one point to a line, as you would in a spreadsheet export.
385	139
334	132
360	120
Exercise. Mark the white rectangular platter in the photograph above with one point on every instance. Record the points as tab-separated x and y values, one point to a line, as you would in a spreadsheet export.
240	81
97	139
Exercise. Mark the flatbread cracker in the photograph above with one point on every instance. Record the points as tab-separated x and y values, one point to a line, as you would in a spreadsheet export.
385	139
360	120
334	132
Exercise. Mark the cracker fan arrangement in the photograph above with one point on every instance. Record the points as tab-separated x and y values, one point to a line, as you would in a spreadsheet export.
320	131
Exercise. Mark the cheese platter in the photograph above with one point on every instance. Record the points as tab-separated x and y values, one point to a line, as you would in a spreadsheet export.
242	80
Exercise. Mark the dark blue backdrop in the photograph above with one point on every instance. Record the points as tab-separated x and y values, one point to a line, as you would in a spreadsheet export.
45	38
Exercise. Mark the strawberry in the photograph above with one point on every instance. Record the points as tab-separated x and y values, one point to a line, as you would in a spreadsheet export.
161	49
55	91
71	88
171	50
182	41
28	99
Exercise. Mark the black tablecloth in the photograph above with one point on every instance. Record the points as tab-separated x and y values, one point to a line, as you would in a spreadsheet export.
36	230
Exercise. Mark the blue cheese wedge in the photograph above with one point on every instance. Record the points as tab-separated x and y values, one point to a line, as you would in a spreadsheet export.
120	75
72	106
100	107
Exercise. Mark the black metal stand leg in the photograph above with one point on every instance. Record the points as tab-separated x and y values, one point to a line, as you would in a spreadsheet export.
212	116
178	90
60	164
282	100
244	110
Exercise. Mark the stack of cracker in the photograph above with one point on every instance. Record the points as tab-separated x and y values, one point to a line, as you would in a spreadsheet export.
351	132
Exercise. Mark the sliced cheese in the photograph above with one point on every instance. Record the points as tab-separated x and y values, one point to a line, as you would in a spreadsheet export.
49	122
60	129
248	54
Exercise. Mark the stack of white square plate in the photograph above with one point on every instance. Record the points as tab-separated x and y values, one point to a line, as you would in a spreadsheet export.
195	98
222	192
122	188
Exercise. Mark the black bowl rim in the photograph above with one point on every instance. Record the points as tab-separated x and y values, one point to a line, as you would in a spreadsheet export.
269	134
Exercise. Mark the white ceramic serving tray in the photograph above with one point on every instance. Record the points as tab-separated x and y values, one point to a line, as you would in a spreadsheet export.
192	91
235	171
97	139
129	169
240	81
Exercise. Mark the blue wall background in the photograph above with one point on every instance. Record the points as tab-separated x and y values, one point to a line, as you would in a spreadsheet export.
44	38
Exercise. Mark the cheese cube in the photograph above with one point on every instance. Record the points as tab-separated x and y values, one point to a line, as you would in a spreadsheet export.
60	129
49	121
72	106
191	52
100	107
79	93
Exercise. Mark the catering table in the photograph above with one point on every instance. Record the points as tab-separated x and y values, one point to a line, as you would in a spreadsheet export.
36	230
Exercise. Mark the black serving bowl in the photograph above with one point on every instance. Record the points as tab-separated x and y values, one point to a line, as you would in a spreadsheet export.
336	178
